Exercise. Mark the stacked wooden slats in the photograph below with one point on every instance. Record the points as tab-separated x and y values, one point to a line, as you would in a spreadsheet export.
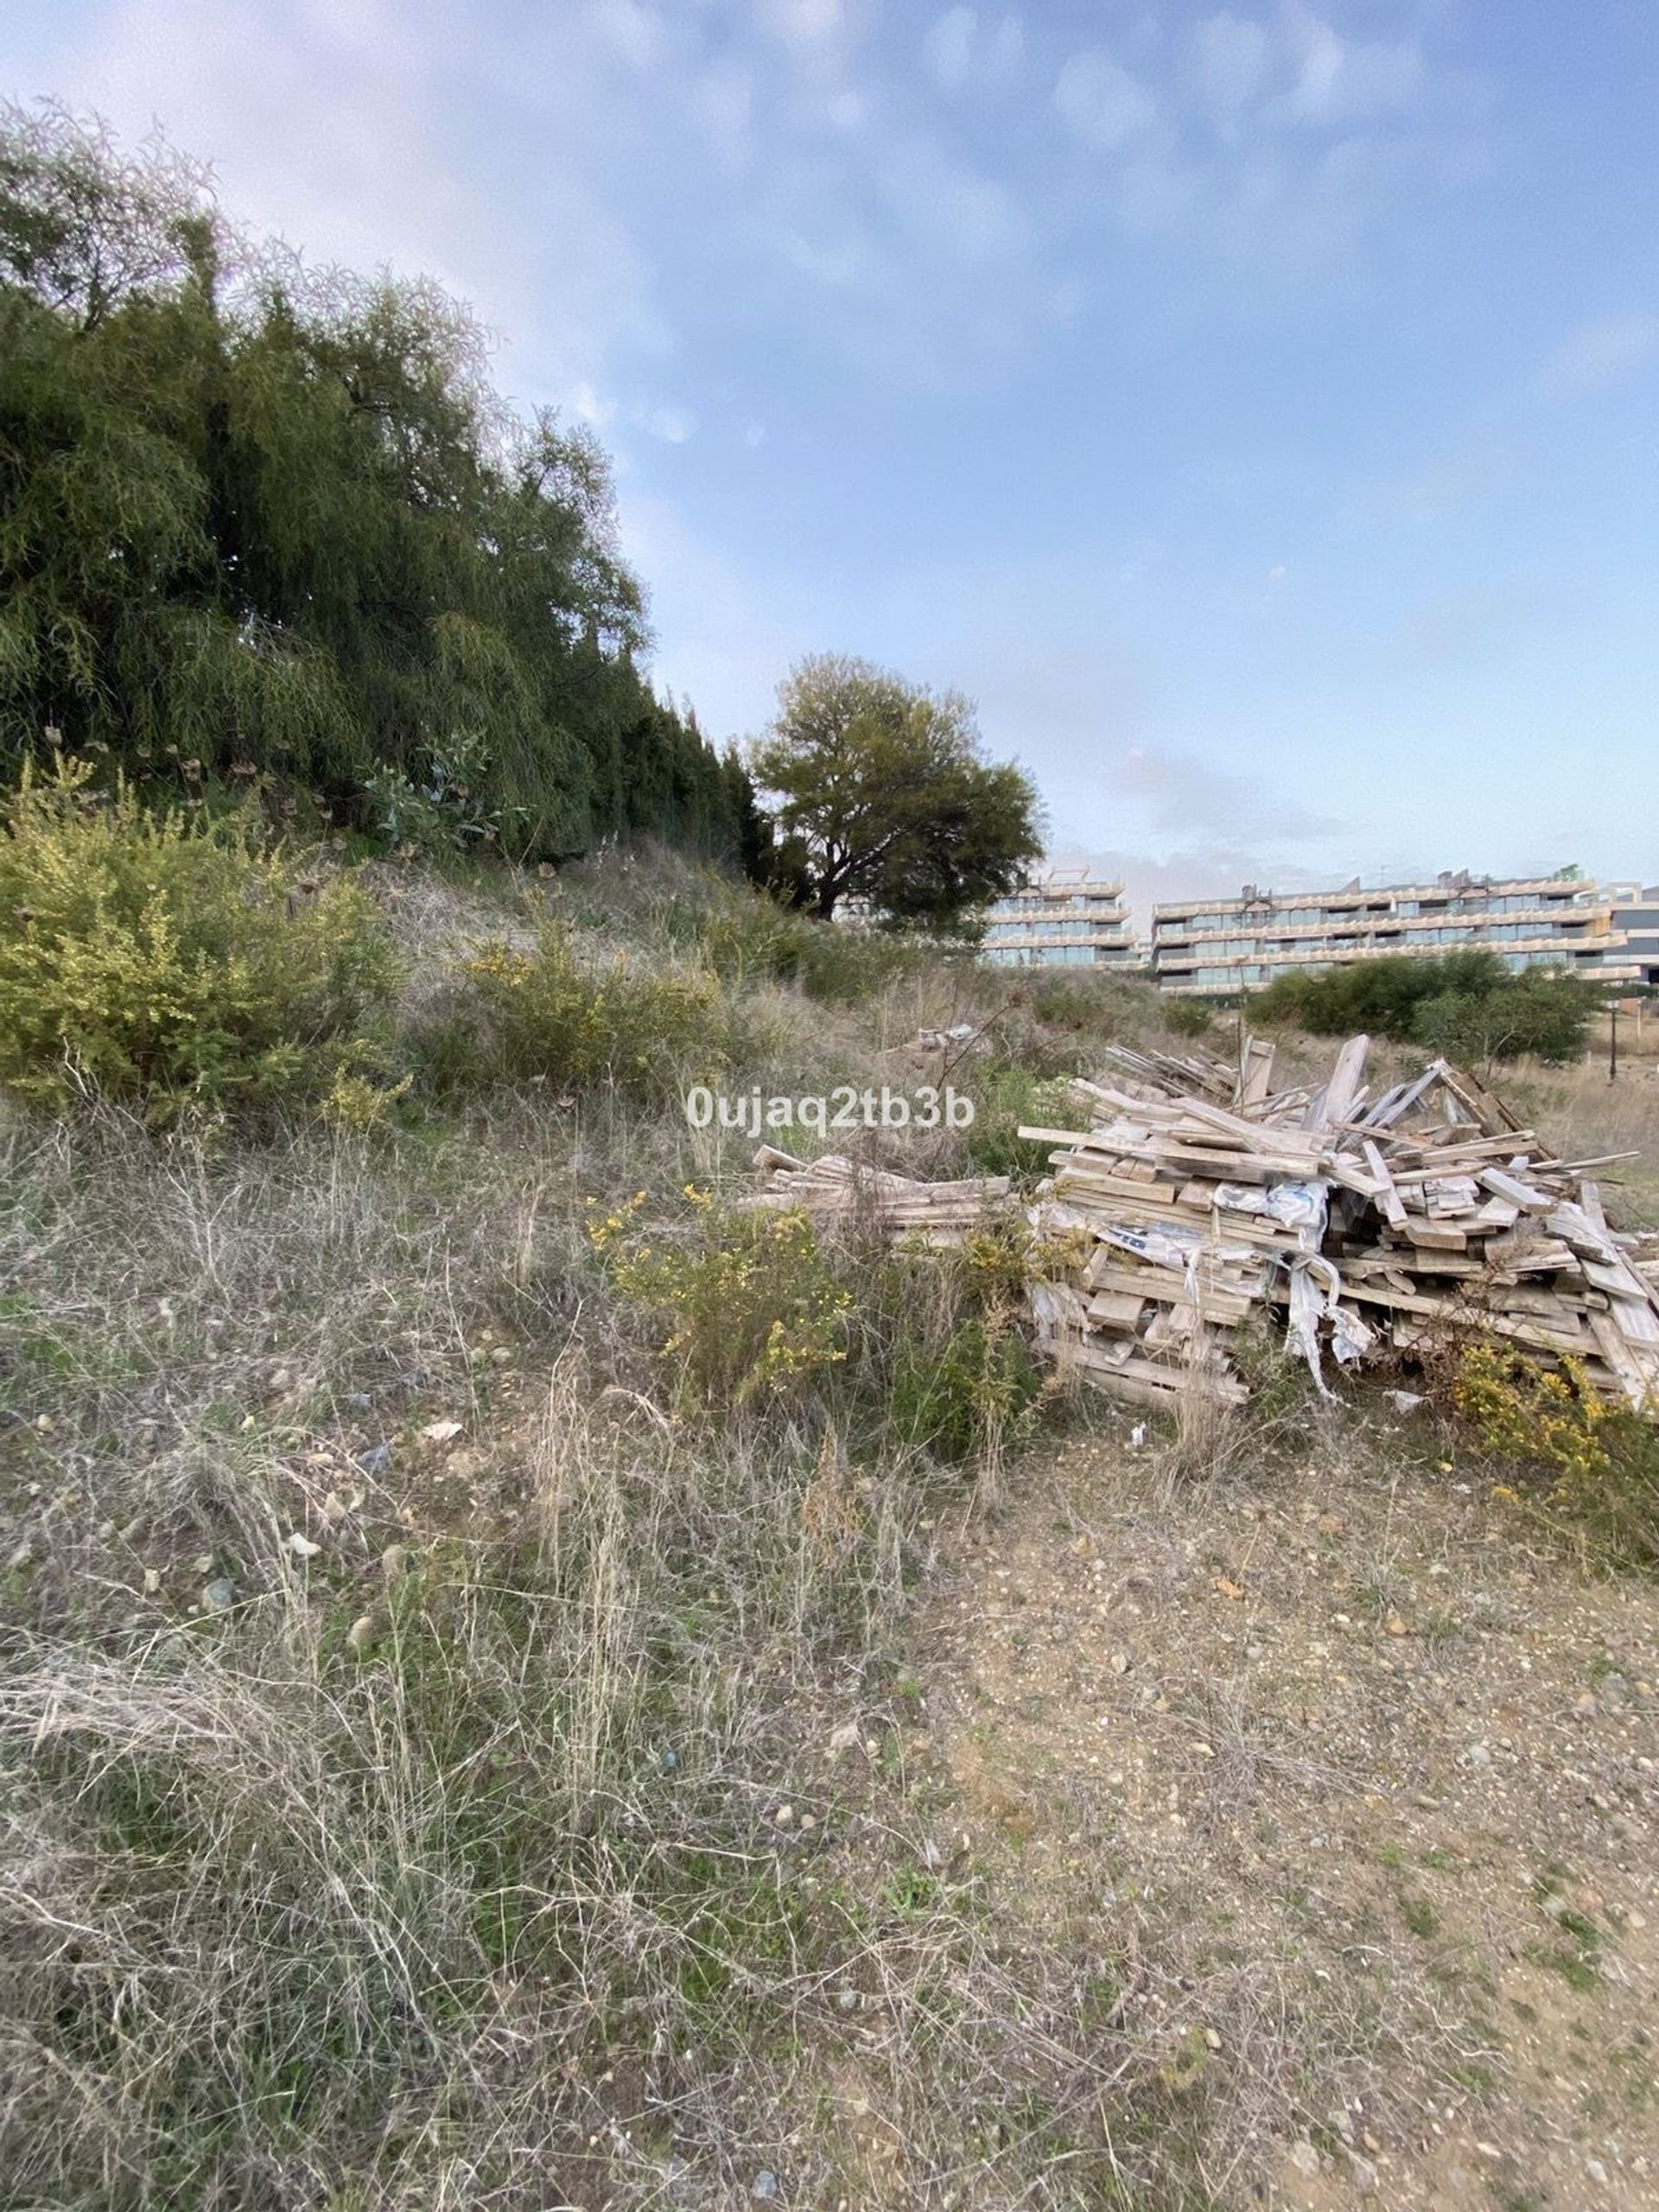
1425	1214
1485	1231
935	1214
1191	1197
1188	1208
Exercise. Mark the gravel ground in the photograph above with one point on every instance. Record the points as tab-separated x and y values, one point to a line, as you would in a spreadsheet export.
1340	1778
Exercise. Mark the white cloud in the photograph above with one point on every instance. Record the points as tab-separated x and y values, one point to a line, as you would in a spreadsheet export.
720	102
591	407
327	121
547	166
1460	628
1153	192
1186	795
948	46
847	110
951	207
1230	58
1340	80
1208	870
1101	101
727	630
673	425
846	261
802	22
634	31
1599	353
958	50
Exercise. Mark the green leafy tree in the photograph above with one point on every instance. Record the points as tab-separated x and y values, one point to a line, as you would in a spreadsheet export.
884	793
1542	1014
1464	1005
256	515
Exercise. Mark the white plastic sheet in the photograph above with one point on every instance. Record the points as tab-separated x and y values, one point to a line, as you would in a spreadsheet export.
1315	1292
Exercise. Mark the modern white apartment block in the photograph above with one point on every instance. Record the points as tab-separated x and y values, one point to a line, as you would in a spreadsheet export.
1064	917
1636	915
1213	947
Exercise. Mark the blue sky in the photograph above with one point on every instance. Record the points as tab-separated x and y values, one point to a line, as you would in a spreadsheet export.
1252	407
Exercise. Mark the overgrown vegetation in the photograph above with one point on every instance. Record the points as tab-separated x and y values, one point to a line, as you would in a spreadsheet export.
957	1374
750	1306
545	1014
172	961
259	517
1465	1006
460	1730
458	1725
1590	1468
423	1732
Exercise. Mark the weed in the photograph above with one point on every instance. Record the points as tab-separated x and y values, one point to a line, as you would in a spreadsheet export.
169	960
1578	1969
752	1307
447	808
1419	1916
546	1016
1596	1465
1006	1098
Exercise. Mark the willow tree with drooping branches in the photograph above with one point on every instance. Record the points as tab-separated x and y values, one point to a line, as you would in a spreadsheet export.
256	514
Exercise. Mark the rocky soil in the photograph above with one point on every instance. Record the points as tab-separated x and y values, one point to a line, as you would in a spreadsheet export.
1337	1780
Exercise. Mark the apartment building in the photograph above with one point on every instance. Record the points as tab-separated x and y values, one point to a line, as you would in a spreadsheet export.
1635	915
1063	919
1212	947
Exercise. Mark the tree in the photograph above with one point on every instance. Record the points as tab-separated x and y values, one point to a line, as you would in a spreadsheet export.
256	515
1466	1004
884	793
1543	1013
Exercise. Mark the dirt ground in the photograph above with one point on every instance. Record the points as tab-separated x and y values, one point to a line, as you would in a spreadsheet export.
1355	1770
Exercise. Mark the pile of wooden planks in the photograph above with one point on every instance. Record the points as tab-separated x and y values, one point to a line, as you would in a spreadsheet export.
1425	1214
938	1216
1192	1196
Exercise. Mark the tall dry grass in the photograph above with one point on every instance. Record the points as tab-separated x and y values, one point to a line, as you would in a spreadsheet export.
545	1834
1584	1114
440	1770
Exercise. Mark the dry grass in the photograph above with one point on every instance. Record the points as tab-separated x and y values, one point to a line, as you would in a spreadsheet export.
449	1863
1302	1738
1586	1116
435	1774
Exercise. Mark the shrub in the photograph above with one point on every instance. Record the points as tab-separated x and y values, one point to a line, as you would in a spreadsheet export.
1466	1005
966	1399
1087	1006
1189	1017
1006	1095
741	934
542	1015
945	1352
447	809
172	960
1599	1463
752	1305
1546	1016
750	938
1520	1410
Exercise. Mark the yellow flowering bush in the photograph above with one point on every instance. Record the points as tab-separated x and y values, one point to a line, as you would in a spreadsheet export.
171	959
752	1307
1523	1411
1600	1462
545	1016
